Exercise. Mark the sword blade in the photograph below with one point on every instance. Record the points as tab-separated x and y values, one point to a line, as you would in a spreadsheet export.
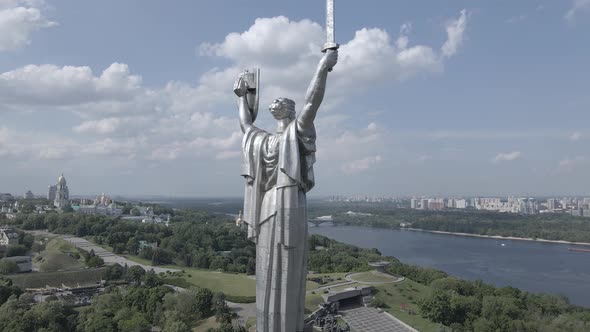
330	38
330	30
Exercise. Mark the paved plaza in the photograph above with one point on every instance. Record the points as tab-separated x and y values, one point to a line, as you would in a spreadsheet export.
366	319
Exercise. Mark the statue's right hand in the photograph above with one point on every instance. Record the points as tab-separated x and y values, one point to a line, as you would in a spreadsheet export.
330	59
241	86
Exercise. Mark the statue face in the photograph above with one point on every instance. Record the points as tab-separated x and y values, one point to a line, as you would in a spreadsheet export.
282	108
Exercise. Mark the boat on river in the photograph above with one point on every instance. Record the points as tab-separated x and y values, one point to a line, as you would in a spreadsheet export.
578	249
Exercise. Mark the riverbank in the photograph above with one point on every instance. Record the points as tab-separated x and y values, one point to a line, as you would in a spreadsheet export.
532	266
498	237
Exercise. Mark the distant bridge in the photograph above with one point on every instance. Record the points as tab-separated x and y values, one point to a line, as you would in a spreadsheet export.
319	221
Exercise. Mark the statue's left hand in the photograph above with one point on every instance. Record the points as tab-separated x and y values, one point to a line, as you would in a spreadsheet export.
241	86
330	59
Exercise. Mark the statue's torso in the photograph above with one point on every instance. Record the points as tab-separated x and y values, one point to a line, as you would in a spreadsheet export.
270	160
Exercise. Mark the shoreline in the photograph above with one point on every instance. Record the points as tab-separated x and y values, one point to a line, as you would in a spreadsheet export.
498	237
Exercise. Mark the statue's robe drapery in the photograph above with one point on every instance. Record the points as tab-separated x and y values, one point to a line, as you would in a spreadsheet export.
279	171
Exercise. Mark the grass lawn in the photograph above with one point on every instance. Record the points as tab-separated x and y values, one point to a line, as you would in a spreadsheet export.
312	301
314	285
57	244
250	322
56	279
49	261
206	324
407	292
142	260
373	276
57	256
343	287
228	283
104	246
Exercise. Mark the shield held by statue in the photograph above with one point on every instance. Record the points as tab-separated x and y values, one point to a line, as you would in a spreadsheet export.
251	89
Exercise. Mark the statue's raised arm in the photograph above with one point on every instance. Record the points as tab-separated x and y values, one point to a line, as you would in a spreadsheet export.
317	88
241	90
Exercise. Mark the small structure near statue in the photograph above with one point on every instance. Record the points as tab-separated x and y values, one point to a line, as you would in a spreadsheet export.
350	296
380	266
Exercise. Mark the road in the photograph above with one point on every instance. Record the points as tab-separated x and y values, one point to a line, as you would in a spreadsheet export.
107	256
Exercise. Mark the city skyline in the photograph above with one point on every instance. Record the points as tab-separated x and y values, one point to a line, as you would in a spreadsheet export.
86	194
143	105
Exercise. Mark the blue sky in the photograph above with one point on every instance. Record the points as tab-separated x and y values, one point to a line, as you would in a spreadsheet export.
441	98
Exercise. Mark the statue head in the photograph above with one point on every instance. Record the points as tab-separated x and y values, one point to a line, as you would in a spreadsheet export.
282	108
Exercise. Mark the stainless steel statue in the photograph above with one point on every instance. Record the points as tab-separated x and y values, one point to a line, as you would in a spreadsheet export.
278	169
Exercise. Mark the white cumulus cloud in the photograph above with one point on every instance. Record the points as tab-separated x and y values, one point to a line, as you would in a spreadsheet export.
18	20
121	118
455	32
510	156
575	136
288	52
570	164
577	7
361	165
67	85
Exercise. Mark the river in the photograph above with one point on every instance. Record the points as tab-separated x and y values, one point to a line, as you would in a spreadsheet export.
531	266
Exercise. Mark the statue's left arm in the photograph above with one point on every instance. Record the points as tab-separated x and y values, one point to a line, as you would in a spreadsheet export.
316	90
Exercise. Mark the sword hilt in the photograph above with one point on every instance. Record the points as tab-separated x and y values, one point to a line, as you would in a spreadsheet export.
330	46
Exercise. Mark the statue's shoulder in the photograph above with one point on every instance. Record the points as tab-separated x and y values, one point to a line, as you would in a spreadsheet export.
253	132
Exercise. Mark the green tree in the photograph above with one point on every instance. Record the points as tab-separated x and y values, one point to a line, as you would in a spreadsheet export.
94	261
132	246
173	324
135	323
437	307
37	247
8	267
113	272
27	240
7	290
499	312
151	279
135	273
203	302
15	250
220	308
26	207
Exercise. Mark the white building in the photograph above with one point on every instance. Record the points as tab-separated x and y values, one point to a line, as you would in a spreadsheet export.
460	204
413	203
103	200
51	193
551	204
62	193
110	210
424	204
29	195
6	197
161	219
8	236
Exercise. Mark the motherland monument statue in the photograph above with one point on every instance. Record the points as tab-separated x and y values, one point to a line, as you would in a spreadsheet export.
278	169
